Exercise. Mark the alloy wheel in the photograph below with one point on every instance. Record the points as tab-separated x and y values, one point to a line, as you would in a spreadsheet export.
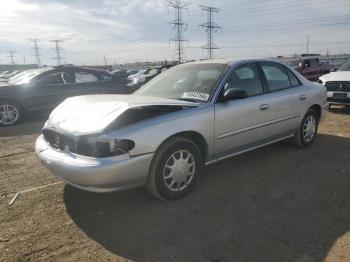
309	128
8	114
179	170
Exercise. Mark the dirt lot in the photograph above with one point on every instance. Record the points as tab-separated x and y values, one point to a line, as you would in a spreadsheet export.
278	203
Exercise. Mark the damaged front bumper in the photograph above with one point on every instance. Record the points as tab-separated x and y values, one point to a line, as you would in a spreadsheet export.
94	174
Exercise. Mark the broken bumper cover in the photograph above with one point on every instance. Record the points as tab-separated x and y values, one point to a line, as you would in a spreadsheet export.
94	174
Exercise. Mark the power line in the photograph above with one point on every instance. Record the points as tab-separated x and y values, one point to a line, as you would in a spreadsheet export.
58	50
210	28
242	13
178	26
12	57
36	51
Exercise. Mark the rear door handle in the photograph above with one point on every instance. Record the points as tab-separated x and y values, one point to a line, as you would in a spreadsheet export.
264	106
302	97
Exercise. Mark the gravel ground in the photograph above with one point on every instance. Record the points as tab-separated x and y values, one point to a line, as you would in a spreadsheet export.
278	203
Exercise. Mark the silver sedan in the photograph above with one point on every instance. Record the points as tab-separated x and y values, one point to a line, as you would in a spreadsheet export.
190	116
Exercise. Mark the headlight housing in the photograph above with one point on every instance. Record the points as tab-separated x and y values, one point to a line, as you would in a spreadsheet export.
105	148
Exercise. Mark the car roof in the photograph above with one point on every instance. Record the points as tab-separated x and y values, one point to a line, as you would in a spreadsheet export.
230	61
73	67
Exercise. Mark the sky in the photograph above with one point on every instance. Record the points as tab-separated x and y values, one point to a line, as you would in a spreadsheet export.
138	30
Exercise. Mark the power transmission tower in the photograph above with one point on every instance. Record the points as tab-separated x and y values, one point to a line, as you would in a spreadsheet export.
210	27
178	26
36	51
12	57
58	50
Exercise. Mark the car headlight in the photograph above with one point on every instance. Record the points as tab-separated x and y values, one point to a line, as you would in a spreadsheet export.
106	148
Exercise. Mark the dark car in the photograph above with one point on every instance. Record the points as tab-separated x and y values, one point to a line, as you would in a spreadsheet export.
140	79
43	89
310	67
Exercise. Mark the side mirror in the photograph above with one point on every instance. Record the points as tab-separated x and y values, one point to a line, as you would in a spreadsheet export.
234	93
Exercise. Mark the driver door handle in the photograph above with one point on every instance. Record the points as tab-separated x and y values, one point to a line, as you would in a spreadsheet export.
264	106
302	97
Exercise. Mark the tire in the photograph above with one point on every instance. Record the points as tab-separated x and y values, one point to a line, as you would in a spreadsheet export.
306	133
10	113
178	159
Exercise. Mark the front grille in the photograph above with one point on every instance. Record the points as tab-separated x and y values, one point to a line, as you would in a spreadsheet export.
60	140
338	86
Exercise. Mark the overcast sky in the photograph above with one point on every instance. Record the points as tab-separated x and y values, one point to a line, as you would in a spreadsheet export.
138	30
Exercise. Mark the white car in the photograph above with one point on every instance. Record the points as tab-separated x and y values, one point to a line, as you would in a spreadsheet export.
338	85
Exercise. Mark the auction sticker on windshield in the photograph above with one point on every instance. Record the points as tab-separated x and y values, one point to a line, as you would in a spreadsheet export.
196	95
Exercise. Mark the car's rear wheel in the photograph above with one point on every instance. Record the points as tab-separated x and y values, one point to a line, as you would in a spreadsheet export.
10	113
307	131
175	168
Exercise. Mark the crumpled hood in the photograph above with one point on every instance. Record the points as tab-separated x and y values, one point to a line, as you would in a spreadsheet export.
93	113
336	76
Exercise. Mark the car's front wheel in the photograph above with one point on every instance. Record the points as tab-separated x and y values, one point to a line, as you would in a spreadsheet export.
307	131
10	113
175	168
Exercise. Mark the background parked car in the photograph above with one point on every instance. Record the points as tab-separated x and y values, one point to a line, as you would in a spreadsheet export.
140	79
338	85
43	89
141	72
310	67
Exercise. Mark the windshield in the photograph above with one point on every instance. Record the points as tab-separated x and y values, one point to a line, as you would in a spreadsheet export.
26	76
345	66
193	82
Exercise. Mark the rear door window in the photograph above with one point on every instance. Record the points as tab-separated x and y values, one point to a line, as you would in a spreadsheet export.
85	77
57	78
276	76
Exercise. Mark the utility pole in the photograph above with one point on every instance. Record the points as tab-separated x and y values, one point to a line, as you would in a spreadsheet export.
178	26
24	60
58	50
105	59
36	51
307	44
12	57
210	27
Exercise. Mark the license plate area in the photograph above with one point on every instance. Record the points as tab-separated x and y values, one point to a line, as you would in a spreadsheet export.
340	95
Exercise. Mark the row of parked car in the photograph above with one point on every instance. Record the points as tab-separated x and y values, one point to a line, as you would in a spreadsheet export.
43	89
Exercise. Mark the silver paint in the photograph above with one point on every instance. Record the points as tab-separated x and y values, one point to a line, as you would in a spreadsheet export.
228	129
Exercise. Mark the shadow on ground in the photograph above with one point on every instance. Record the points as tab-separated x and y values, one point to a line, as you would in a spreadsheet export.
278	203
344	110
